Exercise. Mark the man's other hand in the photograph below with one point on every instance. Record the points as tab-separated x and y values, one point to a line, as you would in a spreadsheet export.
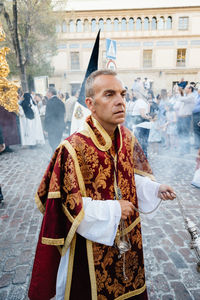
126	208
165	192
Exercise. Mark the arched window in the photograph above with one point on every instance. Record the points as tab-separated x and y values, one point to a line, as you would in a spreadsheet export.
86	25
71	26
116	24
169	23
101	24
161	23
79	26
146	23
154	23
138	24
58	27
94	23
64	26
108	25
131	24
124	25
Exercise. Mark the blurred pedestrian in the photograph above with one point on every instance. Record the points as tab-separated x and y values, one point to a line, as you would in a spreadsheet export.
54	118
196	178
196	121
69	108
185	107
171	130
30	123
141	118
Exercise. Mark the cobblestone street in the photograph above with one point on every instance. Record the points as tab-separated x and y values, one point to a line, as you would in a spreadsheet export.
170	263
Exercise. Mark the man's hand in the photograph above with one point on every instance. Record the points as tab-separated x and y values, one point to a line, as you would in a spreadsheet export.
126	208
165	192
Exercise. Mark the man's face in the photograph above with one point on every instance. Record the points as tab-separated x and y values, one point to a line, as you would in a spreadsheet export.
108	103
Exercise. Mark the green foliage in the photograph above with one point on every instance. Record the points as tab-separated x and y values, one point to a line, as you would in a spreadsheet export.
37	36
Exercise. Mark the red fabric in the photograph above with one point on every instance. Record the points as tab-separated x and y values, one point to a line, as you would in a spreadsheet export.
9	127
43	281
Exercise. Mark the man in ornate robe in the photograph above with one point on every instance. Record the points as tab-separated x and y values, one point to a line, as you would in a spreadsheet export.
79	197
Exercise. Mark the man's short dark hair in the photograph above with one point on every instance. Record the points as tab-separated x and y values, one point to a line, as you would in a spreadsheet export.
89	91
53	91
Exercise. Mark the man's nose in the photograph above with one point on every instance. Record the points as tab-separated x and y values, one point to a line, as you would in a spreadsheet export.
120	100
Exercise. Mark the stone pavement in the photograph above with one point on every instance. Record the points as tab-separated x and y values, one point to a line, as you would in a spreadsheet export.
170	263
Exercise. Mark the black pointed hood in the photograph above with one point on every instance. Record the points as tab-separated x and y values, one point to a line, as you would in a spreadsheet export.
92	66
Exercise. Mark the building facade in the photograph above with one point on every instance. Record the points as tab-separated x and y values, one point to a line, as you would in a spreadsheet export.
160	43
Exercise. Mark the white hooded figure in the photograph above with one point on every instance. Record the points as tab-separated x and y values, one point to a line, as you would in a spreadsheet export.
79	115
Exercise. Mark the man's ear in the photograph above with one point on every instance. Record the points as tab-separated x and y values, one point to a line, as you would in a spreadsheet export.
90	104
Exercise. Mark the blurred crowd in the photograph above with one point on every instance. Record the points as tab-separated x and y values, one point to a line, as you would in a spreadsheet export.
40	117
169	120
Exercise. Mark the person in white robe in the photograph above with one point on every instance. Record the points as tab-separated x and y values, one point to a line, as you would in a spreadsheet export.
30	123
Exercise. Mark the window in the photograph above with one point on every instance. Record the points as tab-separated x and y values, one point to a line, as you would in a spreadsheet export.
131	24
138	24
154	23
183	23
169	23
58	27
124	27
181	54
161	23
94	23
79	27
147	58
71	26
101	25
108	25
64	26
75	63
86	25
146	23
116	24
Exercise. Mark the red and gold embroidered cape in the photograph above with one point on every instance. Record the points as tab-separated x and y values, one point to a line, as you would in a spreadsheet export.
84	166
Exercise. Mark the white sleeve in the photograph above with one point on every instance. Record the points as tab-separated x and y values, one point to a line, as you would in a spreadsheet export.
101	220
99	224
147	193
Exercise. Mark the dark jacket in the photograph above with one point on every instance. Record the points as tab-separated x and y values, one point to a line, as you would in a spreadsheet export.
54	116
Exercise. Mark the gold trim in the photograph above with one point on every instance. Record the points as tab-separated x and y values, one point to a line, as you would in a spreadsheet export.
39	204
84	132
132	144
72	231
72	152
120	136
139	172
67	213
93	137
70	269
130	227
133	293
91	270
54	242
54	195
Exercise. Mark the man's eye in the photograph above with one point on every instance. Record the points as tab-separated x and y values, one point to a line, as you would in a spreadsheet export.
108	94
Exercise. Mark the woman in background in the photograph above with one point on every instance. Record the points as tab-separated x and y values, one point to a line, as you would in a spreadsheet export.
30	123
